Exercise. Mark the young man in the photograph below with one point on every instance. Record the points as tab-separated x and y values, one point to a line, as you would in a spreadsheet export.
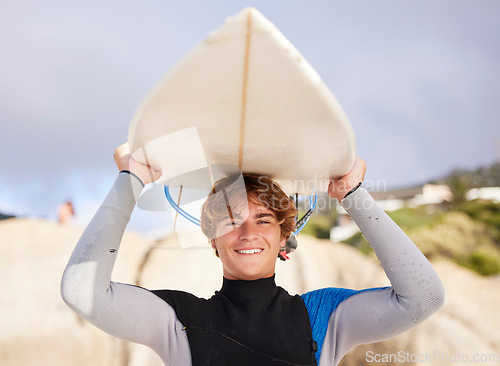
250	321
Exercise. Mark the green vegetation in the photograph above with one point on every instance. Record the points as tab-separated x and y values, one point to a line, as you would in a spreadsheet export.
459	185
483	211
412	218
359	241
481	262
470	241
322	220
466	232
318	226
407	218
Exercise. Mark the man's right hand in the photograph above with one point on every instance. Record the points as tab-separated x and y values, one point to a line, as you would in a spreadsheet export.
124	161
339	187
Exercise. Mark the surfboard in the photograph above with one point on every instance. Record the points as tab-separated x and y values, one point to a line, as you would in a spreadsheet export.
243	99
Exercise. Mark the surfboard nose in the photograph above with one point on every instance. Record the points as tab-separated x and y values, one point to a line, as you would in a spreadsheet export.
249	94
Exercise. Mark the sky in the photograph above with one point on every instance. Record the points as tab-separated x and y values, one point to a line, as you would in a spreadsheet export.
418	79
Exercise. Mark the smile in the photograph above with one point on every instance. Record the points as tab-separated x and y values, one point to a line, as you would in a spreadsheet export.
249	251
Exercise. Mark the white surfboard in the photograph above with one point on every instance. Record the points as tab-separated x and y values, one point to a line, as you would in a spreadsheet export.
243	98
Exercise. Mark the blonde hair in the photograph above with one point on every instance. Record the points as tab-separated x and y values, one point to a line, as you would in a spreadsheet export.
227	193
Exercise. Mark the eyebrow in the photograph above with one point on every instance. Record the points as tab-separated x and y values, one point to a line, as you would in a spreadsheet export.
258	216
265	214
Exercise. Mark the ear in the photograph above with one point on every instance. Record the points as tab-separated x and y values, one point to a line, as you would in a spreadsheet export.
214	247
282	243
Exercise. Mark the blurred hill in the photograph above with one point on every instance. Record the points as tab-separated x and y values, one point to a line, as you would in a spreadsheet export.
486	176
39	329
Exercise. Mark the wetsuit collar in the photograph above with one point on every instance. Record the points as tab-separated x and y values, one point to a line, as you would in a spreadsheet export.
239	290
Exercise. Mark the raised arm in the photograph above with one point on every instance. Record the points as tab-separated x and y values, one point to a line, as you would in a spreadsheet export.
122	310
416	292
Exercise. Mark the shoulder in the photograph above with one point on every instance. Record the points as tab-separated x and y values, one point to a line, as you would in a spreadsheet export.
175	295
178	299
328	299
185	304
323	302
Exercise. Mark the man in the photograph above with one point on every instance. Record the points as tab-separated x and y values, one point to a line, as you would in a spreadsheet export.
250	321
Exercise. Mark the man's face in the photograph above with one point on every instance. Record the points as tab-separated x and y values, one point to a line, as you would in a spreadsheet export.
249	242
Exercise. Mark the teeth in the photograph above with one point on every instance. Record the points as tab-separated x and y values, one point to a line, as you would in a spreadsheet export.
249	251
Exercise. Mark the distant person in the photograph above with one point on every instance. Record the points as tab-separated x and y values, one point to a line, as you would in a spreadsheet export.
65	212
250	321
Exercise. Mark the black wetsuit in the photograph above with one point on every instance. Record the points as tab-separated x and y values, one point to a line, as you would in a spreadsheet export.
237	326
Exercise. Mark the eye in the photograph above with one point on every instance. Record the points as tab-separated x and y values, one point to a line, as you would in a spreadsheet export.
263	222
232	223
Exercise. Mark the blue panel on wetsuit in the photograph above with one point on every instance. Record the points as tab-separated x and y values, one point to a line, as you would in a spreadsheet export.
321	304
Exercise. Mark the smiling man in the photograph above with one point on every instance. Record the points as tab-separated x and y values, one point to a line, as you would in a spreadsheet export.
248	219
250	321
248	251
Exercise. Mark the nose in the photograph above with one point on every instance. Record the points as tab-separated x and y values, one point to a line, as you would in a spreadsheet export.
248	231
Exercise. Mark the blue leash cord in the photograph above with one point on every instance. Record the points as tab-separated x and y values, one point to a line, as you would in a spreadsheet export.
307	216
194	220
178	209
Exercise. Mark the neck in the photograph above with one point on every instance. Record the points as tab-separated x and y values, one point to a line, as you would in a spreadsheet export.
240	290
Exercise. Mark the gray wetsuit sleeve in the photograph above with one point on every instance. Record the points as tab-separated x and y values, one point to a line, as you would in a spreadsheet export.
372	316
122	310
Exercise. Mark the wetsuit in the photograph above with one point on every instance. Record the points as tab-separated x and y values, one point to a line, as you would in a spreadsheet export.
249	322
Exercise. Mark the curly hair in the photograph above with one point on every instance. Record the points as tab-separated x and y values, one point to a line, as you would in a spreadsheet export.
227	193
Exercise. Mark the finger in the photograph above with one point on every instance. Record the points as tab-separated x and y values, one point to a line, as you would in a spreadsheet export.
121	156
331	189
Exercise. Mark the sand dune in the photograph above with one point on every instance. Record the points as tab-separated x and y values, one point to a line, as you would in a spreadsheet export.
39	329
